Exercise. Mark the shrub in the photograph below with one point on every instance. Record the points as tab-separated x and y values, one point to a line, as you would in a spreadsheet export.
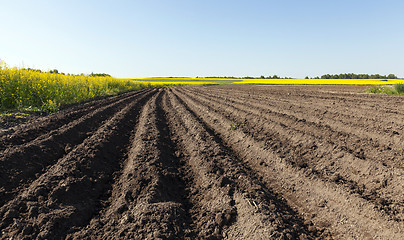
399	88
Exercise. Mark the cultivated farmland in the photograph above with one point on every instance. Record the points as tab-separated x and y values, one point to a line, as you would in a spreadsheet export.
214	162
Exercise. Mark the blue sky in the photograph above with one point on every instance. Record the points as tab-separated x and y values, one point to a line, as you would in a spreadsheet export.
149	38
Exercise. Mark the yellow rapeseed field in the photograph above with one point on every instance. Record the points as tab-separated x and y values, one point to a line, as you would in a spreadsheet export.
21	88
175	83
205	81
322	81
185	81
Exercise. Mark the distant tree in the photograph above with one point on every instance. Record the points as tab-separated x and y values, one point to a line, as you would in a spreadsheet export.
357	76
32	69
326	76
391	76
99	75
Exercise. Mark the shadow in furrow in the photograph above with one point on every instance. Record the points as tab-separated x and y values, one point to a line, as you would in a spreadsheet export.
174	186
290	217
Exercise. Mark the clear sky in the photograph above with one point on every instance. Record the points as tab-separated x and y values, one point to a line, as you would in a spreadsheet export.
192	38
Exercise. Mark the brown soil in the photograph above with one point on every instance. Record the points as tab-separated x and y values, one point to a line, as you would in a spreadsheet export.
217	162
14	118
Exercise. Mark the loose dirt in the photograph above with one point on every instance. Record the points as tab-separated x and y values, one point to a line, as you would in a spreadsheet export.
217	162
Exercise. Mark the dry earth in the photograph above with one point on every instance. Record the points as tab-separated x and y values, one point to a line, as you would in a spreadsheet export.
227	162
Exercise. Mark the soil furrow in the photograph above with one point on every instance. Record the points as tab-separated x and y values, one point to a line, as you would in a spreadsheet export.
326	204
379	104
251	202
337	108
32	130
148	199
320	112
67	195
21	164
323	159
376	129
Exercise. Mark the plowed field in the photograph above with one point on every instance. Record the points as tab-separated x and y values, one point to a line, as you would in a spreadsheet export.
218	162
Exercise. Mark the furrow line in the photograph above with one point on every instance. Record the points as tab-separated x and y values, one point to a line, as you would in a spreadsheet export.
230	192
148	199
68	194
351	144
326	204
385	104
21	164
365	178
382	129
374	121
27	132
353	109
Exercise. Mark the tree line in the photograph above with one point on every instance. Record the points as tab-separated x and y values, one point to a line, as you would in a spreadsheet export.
62	73
355	76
